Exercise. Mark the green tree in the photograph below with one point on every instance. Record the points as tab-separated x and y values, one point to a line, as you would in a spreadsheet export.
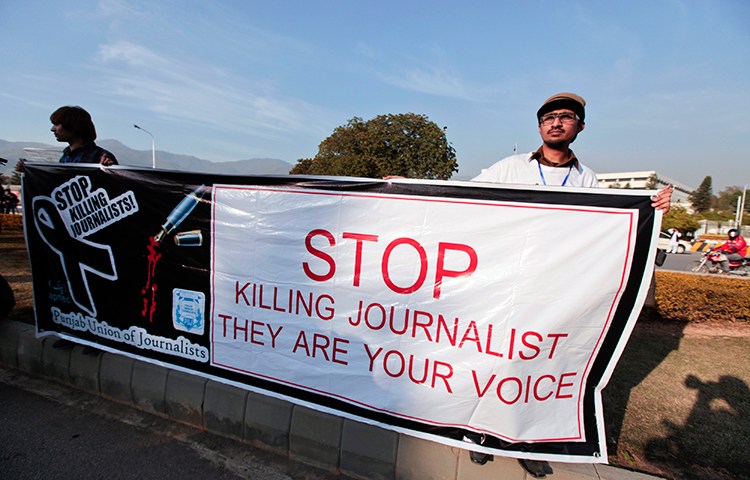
702	197
679	218
727	200
408	145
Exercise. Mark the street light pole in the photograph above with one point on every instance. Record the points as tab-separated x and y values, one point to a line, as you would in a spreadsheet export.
742	206
737	214
153	146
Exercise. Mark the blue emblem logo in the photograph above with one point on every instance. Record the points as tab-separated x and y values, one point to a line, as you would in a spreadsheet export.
187	311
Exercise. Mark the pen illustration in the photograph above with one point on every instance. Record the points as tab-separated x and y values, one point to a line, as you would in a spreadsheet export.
174	219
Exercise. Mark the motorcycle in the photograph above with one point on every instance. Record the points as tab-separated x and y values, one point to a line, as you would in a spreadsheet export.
711	263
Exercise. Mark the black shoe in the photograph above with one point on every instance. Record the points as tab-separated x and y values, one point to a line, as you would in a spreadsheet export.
536	468
481	458
91	351
478	457
63	344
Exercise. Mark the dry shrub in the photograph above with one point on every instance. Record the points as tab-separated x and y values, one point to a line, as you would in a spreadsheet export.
684	297
10	221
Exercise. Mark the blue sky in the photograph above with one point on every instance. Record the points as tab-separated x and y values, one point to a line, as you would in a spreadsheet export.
667	82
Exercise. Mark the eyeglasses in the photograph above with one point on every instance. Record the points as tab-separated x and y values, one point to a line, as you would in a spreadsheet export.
566	118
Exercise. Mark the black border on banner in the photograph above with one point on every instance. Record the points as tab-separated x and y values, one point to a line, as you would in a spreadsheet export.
40	179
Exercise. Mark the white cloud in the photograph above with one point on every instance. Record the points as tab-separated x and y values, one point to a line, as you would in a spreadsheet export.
408	73
192	92
431	80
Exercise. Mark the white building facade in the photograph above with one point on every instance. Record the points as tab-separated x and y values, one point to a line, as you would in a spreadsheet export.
642	179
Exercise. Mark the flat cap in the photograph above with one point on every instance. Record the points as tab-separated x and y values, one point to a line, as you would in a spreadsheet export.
567	100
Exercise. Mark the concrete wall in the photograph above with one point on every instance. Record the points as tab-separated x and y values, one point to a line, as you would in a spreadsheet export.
342	447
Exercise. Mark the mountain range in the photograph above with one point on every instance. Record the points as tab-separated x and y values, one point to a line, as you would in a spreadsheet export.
13	151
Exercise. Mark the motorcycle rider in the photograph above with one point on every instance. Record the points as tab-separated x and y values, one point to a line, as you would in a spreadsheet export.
734	249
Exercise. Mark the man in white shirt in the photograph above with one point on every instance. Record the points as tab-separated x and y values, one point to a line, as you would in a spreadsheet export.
560	118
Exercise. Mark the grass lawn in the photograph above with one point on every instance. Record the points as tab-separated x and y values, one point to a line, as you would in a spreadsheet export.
678	404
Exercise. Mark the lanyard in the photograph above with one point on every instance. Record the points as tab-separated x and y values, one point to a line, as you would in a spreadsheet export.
541	174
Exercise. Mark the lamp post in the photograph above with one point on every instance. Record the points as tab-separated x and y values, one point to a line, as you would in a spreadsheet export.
742	206
737	214
153	146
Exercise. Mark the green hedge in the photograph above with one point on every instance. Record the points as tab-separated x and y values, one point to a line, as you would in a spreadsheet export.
684	297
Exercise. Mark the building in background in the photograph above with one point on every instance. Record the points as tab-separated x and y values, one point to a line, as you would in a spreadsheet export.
647	179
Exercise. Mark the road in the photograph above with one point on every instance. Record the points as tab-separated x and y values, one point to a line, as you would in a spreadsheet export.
48	430
681	262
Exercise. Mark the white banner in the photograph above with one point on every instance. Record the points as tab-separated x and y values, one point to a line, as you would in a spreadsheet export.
471	314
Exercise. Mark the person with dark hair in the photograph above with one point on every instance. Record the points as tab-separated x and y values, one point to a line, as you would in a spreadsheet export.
4	201
74	126
560	119
10	202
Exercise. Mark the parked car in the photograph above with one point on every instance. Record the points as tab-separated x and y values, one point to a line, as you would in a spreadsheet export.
682	245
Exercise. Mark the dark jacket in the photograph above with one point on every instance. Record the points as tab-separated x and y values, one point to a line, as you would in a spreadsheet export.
89	153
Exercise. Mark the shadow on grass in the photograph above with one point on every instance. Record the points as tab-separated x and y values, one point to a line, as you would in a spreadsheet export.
643	353
681	425
709	434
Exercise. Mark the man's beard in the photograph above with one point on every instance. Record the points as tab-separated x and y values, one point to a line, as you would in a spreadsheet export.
560	144
557	145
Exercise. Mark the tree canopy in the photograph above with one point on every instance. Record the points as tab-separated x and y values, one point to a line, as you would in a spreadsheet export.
727	201
679	218
407	145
